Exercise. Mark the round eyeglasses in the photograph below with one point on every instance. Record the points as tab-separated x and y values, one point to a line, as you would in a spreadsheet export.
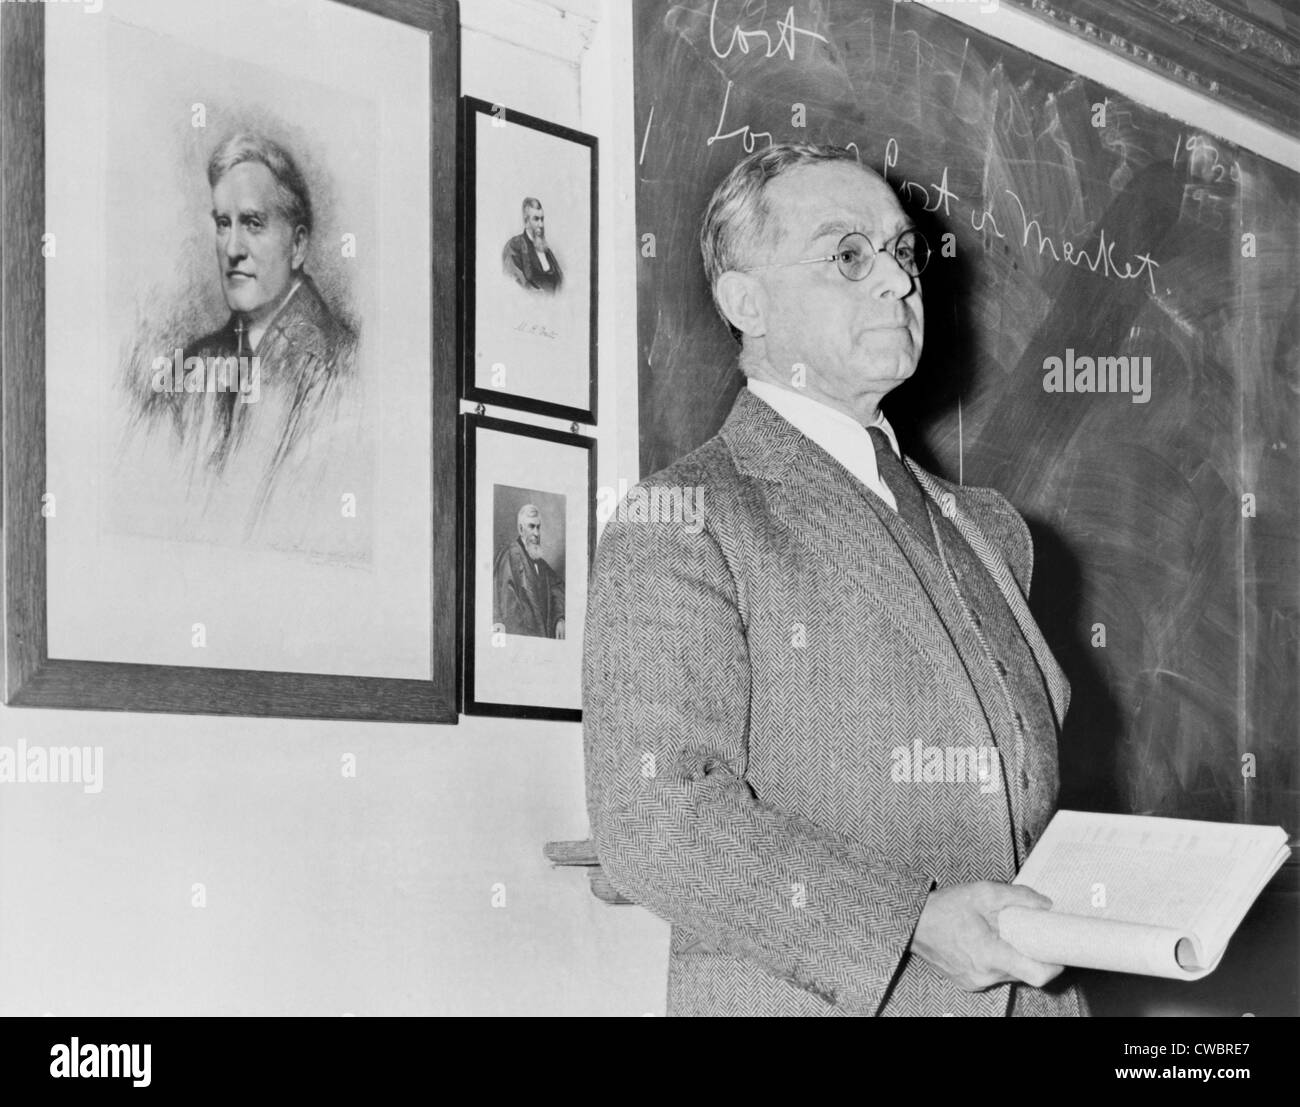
856	254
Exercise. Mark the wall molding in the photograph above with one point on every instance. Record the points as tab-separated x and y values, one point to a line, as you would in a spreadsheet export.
562	31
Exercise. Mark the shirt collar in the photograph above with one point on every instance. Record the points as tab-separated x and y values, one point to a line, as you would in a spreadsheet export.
814	418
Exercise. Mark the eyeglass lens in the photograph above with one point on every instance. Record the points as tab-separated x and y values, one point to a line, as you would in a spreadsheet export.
857	254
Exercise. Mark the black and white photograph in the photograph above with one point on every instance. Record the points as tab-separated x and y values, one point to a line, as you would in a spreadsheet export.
682	508
528	567
529	527
529	199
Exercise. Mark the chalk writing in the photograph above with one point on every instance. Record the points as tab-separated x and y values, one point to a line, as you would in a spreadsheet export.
646	137
986	217
785	38
939	196
747	136
1205	164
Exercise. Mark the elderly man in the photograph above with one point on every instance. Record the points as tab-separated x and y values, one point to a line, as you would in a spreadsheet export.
527	257
262	222
527	594
784	709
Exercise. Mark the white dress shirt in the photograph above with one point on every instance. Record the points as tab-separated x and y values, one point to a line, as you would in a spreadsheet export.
844	438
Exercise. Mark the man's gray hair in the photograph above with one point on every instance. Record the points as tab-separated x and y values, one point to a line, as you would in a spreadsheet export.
291	189
528	511
736	220
531	203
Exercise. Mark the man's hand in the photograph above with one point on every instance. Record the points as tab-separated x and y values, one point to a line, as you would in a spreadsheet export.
559	629
957	933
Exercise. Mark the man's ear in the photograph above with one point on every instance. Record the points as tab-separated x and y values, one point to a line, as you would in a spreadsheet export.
743	301
300	240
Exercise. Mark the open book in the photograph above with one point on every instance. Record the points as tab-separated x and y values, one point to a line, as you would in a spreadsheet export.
1130	893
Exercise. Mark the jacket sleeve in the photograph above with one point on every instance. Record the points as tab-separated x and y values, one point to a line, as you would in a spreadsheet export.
677	827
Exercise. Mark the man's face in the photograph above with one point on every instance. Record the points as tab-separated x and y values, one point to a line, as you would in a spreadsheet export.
535	224
257	250
855	338
530	530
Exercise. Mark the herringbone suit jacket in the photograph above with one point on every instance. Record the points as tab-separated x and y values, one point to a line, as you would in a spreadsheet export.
750	677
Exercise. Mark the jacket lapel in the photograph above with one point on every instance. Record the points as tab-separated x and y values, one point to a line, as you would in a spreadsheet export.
846	525
840	523
1058	687
934	580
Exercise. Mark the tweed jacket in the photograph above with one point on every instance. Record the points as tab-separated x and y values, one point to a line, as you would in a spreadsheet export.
751	676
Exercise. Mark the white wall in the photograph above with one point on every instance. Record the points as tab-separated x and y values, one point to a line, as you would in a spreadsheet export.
371	895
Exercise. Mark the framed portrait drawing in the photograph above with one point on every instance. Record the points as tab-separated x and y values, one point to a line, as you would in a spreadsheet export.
229	384
529	539
528	227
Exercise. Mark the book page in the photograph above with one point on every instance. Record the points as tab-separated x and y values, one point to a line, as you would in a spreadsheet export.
1179	879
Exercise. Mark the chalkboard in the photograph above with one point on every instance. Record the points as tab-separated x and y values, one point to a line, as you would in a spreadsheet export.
1076	224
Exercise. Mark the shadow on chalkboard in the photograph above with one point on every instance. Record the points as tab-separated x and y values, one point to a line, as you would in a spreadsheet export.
1258	975
1089	746
946	371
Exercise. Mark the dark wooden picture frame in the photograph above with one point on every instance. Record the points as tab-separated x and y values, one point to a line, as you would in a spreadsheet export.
470	424
31	678
472	107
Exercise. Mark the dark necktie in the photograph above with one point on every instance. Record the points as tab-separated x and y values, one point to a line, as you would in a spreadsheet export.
907	492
